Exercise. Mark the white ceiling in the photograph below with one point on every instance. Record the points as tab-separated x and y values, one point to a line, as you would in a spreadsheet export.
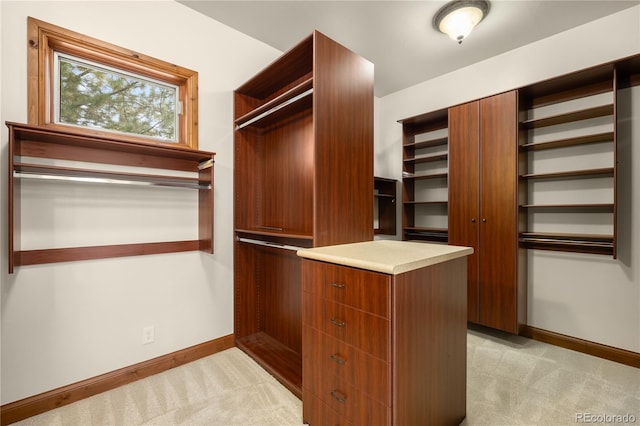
398	36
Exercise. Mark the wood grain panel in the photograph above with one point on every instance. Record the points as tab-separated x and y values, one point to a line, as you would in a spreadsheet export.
352	405
366	290
430	345
334	357
316	412
285	166
38	257
343	120
464	202
499	212
367	332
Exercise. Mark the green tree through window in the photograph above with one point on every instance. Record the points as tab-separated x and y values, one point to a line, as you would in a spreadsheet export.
97	87
97	97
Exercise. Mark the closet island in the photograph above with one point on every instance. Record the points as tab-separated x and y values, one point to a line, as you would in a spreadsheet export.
384	333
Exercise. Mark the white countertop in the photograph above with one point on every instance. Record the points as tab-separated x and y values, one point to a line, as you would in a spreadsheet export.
386	256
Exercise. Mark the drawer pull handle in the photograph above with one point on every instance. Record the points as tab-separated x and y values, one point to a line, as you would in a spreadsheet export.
337	359
336	285
338	396
338	323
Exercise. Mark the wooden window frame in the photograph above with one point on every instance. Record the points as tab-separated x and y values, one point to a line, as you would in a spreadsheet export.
44	39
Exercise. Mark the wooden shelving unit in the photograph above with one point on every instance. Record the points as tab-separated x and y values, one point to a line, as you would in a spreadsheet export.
583	106
303	177
424	177
384	203
30	141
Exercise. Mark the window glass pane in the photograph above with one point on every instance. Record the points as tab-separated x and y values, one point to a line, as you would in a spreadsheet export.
93	96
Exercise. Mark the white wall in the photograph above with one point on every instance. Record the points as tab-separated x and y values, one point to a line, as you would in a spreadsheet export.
590	297
67	322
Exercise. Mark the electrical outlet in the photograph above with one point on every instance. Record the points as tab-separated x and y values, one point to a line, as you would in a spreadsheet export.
148	334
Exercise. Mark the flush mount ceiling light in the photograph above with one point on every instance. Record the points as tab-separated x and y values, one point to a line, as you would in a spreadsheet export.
457	18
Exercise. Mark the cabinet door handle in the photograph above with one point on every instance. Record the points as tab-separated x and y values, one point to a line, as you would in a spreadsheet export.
336	285
338	396
473	220
338	323
337	359
484	219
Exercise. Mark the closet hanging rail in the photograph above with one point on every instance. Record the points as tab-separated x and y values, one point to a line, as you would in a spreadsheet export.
91	176
275	108
270	244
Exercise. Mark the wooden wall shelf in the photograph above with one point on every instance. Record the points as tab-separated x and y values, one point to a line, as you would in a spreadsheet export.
574	96
562	143
55	143
426	158
425	166
580	243
572	174
583	114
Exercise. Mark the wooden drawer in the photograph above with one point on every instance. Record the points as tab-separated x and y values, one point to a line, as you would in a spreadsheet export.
366	332
348	402
334	357
366	290
317	413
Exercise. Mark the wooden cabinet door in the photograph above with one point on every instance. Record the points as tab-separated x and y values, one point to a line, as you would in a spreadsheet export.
464	157
498	212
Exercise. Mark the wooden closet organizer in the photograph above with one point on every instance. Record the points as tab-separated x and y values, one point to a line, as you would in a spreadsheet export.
54	143
303	177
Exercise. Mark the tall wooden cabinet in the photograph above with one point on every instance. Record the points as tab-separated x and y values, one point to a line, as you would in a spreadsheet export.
303	177
483	208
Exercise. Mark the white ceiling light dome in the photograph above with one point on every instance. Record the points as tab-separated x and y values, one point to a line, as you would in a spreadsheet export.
458	18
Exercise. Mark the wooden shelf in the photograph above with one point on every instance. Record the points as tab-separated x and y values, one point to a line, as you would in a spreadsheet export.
426	202
581	243
419	133
56	142
269	352
604	207
584	114
561	143
385	205
580	88
429	234
428	143
425	176
427	158
572	174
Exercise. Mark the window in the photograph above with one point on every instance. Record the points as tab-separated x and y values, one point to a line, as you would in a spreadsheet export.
97	87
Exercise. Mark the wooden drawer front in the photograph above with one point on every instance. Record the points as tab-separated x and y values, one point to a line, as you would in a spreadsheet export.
334	357
355	406
367	332
364	290
317	413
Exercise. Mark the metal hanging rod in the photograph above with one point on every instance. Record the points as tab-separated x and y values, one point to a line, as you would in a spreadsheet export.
270	244
274	109
172	184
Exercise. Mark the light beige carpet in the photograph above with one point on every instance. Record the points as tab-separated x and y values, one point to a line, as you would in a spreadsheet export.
511	381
